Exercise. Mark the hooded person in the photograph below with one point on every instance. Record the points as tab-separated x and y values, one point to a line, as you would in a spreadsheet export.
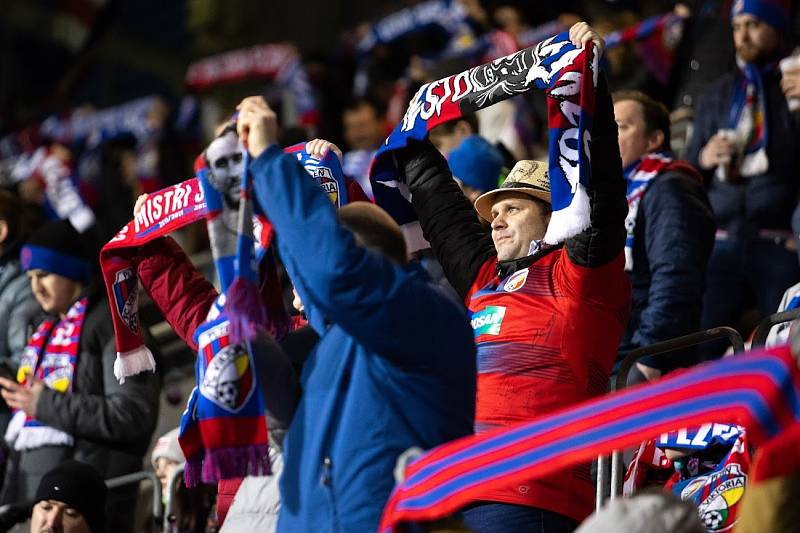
66	401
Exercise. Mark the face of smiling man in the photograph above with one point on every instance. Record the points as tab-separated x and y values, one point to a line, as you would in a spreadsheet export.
517	220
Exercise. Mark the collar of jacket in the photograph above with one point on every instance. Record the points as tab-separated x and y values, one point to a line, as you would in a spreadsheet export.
509	266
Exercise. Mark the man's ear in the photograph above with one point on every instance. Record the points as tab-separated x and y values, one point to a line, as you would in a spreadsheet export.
3	231
655	140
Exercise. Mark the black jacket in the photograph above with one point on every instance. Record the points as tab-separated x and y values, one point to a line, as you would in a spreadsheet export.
673	238
111	423
758	202
462	244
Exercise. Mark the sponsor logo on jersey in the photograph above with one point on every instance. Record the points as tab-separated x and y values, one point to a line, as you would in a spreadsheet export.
488	321
516	281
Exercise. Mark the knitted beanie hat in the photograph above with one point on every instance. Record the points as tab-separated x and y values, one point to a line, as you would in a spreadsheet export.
79	486
776	13
58	248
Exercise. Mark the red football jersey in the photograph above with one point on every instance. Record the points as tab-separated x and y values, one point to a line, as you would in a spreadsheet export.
547	337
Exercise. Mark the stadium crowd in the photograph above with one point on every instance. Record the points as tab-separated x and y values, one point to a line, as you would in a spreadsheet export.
502	229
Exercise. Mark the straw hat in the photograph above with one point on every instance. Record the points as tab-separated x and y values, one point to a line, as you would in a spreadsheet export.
527	177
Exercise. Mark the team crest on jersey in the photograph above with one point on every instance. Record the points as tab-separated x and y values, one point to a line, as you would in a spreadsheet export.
125	298
488	321
717	496
228	380
326	180
516	281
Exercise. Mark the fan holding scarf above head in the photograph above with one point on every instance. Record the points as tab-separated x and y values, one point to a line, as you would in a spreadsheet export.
223	432
546	286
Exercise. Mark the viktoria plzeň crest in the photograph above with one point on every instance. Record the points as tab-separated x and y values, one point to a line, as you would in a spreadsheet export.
126	298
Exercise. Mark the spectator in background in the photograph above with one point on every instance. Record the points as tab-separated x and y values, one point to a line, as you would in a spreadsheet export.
449	136
547	319
71	499
364	130
68	402
670	232
18	308
166	457
746	143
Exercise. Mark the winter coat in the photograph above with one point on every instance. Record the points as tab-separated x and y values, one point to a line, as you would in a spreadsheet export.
111	423
394	366
673	238
19	311
760	202
547	326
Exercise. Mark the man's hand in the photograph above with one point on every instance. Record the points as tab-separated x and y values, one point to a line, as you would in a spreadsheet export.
581	33
140	203
23	397
257	125
717	151
790	82
320	148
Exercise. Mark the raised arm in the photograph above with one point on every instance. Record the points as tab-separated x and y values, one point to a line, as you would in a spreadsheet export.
339	281
178	290
605	239
460	242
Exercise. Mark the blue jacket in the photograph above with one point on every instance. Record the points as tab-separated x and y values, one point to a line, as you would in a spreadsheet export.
758	202
673	238
394	367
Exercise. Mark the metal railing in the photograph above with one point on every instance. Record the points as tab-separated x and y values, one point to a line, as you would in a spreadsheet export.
764	327
173	484
136	478
663	349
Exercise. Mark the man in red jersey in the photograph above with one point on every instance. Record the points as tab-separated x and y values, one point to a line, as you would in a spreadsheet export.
547	319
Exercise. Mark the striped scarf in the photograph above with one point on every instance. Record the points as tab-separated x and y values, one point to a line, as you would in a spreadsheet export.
758	390
51	355
569	77
748	118
638	177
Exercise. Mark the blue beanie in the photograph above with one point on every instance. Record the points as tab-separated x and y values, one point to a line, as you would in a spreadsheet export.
57	248
476	163
773	12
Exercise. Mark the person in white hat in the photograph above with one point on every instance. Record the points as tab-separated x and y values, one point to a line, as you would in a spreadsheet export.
547	319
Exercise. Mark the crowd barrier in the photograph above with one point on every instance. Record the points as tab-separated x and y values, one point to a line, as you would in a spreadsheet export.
660	350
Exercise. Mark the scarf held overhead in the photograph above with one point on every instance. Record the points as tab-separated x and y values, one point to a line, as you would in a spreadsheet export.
51	357
163	212
759	390
569	77
223	430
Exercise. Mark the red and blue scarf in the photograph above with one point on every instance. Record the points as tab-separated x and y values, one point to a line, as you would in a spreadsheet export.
758	390
51	355
748	118
657	38
638	176
569	77
276	61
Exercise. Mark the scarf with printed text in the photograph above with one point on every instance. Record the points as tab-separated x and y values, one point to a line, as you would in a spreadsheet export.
569	77
50	356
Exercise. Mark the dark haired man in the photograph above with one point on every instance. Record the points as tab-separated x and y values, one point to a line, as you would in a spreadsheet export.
670	232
